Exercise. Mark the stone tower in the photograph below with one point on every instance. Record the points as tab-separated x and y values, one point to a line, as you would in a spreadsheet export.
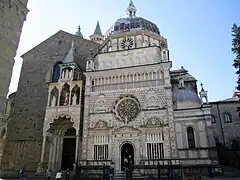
13	14
97	35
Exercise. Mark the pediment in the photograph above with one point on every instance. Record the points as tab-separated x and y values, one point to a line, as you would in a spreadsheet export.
127	129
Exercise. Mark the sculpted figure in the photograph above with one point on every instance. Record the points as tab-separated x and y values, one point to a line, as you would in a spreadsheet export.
53	103
74	100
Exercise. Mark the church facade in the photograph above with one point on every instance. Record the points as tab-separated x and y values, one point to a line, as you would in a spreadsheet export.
111	98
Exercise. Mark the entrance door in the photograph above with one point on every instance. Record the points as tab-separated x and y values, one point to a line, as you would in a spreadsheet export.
68	153
127	151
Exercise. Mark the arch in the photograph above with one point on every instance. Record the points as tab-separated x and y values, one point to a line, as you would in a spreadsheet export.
153	121
227	117
101	125
162	74
154	75
67	72
191	137
146	76
59	123
75	95
127	152
64	97
54	97
58	115
56	72
213	119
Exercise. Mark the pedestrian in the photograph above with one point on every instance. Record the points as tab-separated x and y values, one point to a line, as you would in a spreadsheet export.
111	171
21	173
59	175
49	174
67	174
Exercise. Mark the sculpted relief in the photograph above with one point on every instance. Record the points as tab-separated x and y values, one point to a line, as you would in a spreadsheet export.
100	105
151	100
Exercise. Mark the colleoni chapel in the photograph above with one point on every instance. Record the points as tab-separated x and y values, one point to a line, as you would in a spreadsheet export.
110	97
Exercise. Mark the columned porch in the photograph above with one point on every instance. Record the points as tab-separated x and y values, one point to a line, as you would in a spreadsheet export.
64	145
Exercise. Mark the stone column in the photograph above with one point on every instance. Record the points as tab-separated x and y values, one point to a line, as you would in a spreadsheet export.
54	152
43	148
50	156
77	147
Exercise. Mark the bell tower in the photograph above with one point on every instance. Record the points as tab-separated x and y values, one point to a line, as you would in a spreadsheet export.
97	35
203	95
13	14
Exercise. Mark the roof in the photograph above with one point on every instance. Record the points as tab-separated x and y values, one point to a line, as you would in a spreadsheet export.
181	73
53	38
98	29
185	95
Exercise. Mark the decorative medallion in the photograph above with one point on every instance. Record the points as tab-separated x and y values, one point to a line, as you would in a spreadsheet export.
127	43
126	108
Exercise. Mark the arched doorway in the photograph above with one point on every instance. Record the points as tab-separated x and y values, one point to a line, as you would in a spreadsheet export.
69	148
127	151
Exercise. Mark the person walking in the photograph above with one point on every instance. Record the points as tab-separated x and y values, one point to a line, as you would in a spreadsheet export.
111	171
67	174
59	175
21	173
49	174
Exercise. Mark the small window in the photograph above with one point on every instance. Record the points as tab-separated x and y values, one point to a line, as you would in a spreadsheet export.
191	138
56	72
213	119
92	83
227	117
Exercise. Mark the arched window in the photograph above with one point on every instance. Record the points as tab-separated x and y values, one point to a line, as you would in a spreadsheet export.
213	119
56	72
227	117
190	137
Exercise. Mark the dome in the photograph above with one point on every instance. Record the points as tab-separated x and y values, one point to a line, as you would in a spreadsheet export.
186	95
134	23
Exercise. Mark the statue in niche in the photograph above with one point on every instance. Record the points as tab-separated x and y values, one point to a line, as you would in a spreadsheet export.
74	99
63	74
66	98
67	73
70	73
164	55
54	99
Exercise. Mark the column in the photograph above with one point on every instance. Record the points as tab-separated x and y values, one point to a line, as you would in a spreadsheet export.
54	152
50	157
59	97
77	146
43	148
49	97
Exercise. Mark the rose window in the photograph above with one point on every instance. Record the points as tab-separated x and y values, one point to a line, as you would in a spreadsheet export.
127	43
126	108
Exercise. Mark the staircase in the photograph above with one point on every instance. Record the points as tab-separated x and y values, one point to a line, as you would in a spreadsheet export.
135	175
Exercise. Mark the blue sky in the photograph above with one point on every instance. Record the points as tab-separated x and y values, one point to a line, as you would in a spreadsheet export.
198	32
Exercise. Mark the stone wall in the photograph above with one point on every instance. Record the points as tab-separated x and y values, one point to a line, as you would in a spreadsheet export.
222	130
12	15
26	122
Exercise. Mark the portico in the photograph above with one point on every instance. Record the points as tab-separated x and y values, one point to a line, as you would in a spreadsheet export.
64	142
